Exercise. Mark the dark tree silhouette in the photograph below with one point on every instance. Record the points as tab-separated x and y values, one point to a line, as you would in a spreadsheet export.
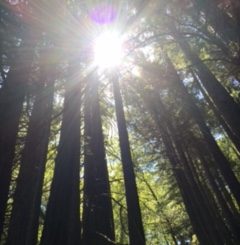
98	227
62	221
23	226
135	226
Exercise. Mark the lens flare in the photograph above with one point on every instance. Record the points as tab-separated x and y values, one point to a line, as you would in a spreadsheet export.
103	14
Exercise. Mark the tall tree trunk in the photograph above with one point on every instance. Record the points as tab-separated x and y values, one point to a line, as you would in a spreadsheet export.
11	104
62	222
98	227
220	160
223	101
23	226
135	225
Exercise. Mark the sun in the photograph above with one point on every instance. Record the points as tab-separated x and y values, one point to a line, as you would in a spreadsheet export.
108	51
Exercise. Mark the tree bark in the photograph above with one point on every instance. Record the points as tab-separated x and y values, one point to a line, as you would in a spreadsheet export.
231	135
98	226
135	225
220	160
62	221
196	220
207	220
11	104
23	226
223	101
205	208
231	218
222	23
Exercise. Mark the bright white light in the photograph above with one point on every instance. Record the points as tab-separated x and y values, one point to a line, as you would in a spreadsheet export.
108	50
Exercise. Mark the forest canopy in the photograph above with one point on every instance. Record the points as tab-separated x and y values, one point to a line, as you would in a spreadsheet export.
119	122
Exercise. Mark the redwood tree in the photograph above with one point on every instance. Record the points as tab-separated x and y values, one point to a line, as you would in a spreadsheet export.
98	227
23	228
62	221
135	225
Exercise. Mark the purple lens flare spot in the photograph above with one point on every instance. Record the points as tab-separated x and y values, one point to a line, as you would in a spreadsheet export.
103	14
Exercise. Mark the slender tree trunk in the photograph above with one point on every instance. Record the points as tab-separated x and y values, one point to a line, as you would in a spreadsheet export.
223	101
209	199
23	226
206	210
213	38
222	23
220	160
98	226
235	140
196	220
135	225
232	220
236	9
62	221
191	207
213	175
215	227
